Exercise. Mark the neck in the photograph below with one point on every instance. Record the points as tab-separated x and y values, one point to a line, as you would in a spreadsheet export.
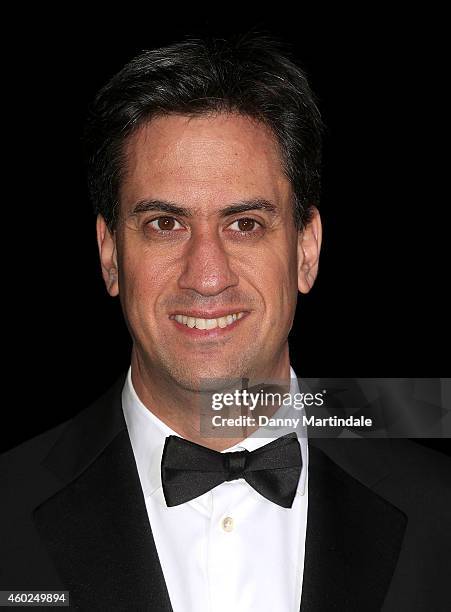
180	408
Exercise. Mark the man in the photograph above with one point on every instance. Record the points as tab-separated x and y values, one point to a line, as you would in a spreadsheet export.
204	163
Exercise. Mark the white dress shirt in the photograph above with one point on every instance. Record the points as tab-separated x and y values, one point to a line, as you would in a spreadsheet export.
231	549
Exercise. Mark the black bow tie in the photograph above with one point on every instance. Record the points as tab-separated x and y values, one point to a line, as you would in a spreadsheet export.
189	470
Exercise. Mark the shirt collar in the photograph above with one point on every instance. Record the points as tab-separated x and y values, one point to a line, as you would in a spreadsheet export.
148	434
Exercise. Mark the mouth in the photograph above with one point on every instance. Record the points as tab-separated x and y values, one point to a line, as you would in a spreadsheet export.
207	324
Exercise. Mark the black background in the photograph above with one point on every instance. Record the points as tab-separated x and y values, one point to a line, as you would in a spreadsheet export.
378	307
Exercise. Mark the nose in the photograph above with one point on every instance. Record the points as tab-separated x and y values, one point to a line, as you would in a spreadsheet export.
206	268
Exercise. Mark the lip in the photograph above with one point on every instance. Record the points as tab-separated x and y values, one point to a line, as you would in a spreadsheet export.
217	332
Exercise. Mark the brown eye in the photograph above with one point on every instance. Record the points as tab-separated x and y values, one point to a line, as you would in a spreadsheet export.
166	223
246	225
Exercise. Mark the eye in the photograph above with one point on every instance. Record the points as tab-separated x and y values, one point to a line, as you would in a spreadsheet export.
245	224
165	224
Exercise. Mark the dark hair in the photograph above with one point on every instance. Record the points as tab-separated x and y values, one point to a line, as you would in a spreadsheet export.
251	74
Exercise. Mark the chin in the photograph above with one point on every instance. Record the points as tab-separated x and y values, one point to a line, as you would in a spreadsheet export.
207	376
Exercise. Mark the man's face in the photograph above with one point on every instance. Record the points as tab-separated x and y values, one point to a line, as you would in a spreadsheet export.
206	249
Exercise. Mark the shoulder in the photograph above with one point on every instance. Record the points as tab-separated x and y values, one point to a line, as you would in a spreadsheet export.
37	447
23	467
24	484
18	461
419	482
409	475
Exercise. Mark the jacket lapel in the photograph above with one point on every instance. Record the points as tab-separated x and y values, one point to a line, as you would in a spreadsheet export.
95	526
353	541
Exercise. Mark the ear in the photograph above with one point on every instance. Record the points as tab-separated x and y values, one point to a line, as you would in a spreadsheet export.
309	246
106	241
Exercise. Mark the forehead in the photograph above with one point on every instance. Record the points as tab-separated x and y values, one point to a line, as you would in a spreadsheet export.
202	161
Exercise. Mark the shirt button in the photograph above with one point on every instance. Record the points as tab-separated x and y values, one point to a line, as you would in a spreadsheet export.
227	524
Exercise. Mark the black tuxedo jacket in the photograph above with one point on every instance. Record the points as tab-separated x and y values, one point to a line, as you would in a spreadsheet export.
73	518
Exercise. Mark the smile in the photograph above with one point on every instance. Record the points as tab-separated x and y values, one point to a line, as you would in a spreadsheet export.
207	324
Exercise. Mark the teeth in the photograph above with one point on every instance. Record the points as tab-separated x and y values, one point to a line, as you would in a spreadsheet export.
208	323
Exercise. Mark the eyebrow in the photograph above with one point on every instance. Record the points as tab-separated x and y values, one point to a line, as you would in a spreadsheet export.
175	209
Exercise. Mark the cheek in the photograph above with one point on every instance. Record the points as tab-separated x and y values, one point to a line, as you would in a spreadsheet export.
278	278
144	281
